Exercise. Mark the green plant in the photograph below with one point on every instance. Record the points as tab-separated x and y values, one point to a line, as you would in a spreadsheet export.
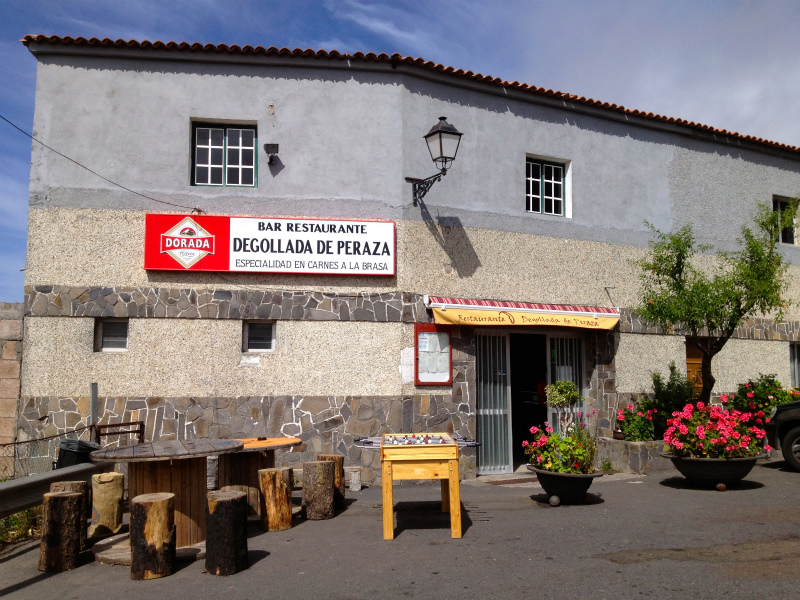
637	423
758	397
606	466
670	395
21	526
571	453
563	395
704	431
706	304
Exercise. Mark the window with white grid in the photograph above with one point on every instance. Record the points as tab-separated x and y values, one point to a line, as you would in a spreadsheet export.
545	187
225	156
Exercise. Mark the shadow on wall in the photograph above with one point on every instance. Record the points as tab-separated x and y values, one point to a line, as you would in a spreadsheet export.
449	233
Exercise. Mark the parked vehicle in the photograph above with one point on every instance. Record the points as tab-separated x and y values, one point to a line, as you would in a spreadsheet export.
783	431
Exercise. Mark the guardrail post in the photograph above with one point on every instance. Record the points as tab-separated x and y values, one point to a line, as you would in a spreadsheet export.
93	408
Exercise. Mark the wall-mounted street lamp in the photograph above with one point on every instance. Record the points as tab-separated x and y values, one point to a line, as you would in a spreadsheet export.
442	140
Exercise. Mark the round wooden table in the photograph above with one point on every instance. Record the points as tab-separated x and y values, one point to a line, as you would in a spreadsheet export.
239	471
173	466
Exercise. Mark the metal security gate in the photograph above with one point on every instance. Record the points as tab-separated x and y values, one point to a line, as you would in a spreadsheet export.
493	404
566	364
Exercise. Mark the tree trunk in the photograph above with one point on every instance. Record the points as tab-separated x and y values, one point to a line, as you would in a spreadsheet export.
318	480
226	532
152	536
338	477
81	487
276	498
107	489
708	378
62	515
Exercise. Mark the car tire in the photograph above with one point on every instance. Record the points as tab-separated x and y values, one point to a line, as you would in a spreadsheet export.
791	448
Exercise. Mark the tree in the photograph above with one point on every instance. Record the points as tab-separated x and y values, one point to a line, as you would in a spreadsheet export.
707	304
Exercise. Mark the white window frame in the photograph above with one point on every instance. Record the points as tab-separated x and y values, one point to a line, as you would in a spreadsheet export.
794	364
226	149
99	340
245	336
566	183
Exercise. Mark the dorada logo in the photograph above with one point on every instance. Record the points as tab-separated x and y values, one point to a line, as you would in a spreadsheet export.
187	242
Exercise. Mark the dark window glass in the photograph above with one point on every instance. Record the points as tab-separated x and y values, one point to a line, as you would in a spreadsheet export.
233	156
201	175
202	156
233	137
548	205
247	158
248	135
548	188
233	176
787	234
259	336
216	156
247	176
115	334
216	175
216	137
557	207
202	137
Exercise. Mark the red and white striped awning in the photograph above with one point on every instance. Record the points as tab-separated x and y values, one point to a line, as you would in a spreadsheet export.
462	311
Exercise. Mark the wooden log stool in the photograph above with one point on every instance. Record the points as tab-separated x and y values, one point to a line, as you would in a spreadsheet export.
338	477
275	487
152	536
106	504
226	532
62	516
81	487
318	478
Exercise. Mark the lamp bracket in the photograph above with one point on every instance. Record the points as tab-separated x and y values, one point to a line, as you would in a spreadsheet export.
420	187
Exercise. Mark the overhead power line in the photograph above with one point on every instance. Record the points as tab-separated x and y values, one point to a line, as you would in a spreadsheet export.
193	209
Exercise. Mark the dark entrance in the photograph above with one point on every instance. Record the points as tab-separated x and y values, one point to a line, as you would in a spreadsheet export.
528	378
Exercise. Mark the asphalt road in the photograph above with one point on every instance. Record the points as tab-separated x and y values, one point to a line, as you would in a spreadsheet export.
641	537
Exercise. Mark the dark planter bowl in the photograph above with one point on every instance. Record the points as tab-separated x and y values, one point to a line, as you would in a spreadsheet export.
713	471
570	488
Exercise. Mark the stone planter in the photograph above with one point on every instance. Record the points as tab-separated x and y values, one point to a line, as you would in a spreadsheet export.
641	458
570	488
713	471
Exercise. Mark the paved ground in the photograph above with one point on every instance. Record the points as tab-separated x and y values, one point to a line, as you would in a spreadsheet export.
642	537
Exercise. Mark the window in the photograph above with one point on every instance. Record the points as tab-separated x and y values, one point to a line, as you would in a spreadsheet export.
787	234
224	155
546	187
258	336
794	364
110	335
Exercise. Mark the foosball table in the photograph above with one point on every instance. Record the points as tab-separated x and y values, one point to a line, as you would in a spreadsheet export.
421	456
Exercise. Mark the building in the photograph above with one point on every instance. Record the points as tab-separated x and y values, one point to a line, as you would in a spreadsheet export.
229	291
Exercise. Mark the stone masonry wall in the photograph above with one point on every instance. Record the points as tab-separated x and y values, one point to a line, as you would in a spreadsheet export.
325	424
10	362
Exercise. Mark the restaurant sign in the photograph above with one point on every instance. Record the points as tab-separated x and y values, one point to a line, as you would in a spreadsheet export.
268	245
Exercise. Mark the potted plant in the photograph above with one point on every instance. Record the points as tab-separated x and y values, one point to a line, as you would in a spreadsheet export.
712	445
637	423
563	463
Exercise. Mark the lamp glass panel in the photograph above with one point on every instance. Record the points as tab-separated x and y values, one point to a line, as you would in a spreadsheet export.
449	145
434	146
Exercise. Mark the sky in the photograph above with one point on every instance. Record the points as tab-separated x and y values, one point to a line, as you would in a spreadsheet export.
732	65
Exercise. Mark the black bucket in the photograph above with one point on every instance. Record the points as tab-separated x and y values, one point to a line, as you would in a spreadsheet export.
74	452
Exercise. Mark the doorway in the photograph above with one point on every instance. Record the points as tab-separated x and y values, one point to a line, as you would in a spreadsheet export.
512	370
529	377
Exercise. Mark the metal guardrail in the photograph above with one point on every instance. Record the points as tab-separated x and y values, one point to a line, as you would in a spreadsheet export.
31	457
19	494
